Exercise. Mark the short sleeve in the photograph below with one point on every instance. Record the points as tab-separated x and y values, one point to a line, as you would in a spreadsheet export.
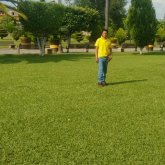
110	45
97	43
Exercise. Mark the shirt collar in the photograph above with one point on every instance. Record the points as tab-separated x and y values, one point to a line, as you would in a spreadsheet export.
103	38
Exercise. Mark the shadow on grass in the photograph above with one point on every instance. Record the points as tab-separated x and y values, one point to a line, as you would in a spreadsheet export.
11	59
155	53
126	82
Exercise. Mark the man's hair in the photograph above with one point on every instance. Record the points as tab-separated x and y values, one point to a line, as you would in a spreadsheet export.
104	30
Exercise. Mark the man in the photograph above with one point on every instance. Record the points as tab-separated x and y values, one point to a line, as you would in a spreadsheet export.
103	56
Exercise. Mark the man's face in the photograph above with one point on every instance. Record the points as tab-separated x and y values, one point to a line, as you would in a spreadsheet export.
104	34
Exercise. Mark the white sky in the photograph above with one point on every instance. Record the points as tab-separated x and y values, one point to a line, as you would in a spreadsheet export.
159	6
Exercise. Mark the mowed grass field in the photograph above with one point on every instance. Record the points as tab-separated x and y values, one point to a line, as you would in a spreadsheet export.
53	113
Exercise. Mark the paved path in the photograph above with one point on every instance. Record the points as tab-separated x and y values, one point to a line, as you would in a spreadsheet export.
15	51
36	51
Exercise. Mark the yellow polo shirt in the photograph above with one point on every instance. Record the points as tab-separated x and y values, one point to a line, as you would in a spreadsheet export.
104	46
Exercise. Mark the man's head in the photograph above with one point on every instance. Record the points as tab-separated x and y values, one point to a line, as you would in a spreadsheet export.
104	33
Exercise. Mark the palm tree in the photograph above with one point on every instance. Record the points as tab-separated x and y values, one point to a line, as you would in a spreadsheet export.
5	8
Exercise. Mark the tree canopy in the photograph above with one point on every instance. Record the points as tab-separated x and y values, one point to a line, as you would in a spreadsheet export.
142	22
80	19
116	13
43	19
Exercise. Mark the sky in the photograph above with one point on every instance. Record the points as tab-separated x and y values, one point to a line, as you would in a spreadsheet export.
159	6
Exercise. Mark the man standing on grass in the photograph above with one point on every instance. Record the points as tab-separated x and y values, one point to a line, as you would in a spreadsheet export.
103	56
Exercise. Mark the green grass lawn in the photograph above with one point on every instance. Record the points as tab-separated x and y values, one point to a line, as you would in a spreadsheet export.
52	112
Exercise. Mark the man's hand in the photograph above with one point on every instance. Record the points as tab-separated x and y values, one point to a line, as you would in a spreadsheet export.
109	58
97	60
96	54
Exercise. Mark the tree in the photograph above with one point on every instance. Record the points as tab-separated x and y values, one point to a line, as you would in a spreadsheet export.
106	13
111	32
95	33
98	5
160	36
121	35
44	19
78	19
68	2
5	7
13	28
116	10
161	24
142	22
117	13
3	33
9	22
78	36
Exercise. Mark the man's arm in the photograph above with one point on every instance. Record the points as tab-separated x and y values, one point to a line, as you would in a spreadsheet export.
110	54
96	53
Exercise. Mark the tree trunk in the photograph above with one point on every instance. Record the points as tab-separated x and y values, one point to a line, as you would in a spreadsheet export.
60	48
107	2
18	49
161	46
141	49
68	42
41	44
59	1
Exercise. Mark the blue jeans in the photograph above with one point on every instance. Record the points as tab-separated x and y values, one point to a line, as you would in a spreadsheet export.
103	64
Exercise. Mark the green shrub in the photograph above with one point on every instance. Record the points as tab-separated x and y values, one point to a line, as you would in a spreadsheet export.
160	35
78	36
3	33
121	35
113	40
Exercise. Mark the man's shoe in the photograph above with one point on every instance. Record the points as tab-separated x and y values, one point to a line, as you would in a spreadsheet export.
100	84
104	83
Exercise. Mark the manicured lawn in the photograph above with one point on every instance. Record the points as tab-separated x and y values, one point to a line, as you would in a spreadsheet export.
52	112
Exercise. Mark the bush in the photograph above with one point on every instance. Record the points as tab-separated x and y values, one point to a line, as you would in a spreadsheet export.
121	35
78	36
3	33
95	34
160	35
113	40
54	40
111	32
